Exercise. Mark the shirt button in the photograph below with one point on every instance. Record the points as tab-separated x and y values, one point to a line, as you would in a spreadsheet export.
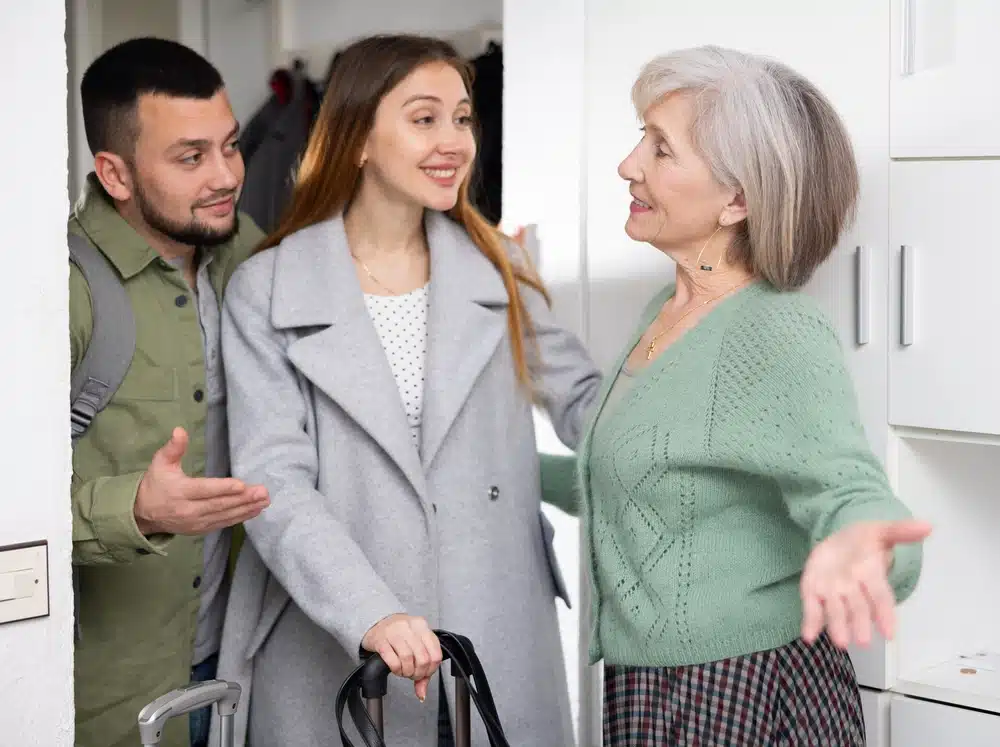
494	493
197	581
180	301
198	395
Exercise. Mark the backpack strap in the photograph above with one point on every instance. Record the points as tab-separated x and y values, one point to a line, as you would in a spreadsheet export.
112	343
98	375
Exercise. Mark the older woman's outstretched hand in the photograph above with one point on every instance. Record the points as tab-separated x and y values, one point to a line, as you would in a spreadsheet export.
845	582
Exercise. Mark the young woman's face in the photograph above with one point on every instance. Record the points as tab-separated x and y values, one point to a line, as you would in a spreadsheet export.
422	145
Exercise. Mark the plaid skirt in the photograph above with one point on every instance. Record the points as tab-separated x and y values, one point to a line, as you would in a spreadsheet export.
793	696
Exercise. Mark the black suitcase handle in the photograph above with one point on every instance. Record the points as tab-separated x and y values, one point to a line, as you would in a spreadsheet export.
370	682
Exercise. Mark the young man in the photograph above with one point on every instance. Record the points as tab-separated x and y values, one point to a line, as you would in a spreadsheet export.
152	499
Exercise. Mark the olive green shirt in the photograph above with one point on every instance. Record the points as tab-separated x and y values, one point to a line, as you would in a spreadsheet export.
139	596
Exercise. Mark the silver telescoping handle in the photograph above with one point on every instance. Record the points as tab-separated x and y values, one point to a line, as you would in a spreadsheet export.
186	699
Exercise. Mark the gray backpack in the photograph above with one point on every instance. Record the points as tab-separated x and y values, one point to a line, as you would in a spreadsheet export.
100	372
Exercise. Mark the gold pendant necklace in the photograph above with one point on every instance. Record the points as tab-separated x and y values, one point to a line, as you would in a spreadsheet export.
651	347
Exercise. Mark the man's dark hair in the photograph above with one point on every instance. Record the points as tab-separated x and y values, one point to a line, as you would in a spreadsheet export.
115	81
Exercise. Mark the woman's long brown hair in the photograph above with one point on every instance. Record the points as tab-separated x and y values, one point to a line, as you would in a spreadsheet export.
329	174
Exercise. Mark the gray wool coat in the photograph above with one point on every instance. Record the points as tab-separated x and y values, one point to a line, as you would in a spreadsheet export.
362	524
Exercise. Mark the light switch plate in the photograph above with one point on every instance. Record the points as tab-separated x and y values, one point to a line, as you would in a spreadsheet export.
24	581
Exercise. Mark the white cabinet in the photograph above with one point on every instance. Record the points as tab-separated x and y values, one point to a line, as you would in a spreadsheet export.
948	635
875	706
919	723
944	360
943	87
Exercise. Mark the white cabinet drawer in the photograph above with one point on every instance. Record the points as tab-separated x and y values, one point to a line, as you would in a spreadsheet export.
921	723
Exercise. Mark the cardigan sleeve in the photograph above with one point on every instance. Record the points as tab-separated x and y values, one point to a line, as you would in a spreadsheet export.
559	482
785	404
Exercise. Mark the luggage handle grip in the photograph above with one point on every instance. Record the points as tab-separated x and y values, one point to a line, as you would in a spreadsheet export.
375	686
226	696
373	676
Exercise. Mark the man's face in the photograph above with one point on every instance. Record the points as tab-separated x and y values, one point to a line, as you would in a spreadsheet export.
187	170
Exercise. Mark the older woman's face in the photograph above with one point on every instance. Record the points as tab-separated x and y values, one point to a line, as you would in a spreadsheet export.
677	204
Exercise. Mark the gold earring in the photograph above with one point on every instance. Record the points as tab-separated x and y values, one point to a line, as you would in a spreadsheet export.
364	160
706	268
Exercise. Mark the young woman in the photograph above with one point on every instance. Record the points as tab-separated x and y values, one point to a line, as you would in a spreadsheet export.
384	351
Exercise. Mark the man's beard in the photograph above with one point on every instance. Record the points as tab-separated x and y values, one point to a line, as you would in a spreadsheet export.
192	233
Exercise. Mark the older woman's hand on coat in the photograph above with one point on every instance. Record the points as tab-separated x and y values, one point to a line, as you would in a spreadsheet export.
845	584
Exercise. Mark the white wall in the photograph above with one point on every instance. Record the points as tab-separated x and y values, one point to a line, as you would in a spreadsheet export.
36	656
239	45
543	183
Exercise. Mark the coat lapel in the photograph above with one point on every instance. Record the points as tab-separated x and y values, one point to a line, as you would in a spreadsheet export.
466	322
316	290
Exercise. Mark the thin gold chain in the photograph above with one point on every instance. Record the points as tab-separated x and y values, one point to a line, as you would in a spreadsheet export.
371	274
652	343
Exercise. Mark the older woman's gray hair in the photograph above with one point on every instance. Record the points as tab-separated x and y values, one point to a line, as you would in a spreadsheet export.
766	130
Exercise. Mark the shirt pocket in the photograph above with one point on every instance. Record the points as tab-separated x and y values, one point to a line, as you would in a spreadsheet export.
149	384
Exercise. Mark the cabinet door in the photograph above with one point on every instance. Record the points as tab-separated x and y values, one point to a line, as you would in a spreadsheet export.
945	58
875	706
944	365
922	723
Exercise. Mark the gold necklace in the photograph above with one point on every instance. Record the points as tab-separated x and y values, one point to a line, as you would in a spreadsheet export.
371	275
652	343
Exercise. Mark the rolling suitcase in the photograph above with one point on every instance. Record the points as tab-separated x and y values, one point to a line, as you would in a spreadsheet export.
225	696
363	691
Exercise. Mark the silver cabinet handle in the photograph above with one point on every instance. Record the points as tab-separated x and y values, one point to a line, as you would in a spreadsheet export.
906	262
862	294
907	40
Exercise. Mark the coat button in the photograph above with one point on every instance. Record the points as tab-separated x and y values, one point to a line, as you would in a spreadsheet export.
198	395
181	301
197	581
494	493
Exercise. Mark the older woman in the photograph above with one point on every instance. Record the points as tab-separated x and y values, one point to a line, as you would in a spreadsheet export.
741	532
